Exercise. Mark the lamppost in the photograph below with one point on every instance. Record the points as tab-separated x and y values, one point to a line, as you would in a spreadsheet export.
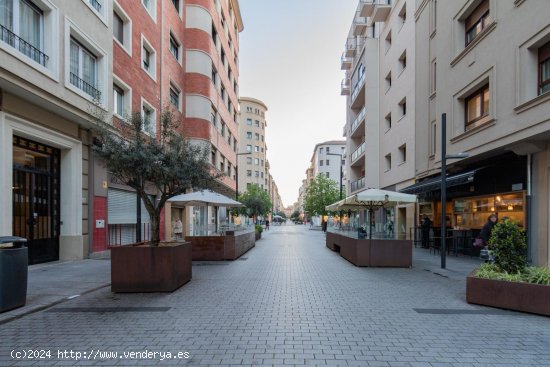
341	177
237	175
444	157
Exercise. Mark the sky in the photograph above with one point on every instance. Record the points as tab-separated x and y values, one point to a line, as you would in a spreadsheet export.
289	58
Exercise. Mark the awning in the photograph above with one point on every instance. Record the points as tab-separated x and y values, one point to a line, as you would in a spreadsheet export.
434	184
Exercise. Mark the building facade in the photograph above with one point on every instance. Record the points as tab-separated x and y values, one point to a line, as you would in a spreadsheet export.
328	159
486	66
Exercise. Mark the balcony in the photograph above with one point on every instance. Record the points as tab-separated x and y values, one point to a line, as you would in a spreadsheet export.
359	25
381	11
351	47
366	8
22	46
357	153
345	89
346	62
85	86
358	185
358	122
357	88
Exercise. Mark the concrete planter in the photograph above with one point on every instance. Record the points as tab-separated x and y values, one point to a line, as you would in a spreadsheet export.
229	247
140	269
374	253
524	297
258	235
13	277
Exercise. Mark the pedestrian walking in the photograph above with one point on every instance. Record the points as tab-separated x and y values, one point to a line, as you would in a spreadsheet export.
267	225
324	226
178	229
485	236
425	227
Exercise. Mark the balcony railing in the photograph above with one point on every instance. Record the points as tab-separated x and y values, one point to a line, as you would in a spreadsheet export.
346	62
23	46
85	86
344	91
357	185
357	86
96	4
357	152
358	119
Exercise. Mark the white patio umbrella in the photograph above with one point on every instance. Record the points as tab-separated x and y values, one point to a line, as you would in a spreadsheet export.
375	198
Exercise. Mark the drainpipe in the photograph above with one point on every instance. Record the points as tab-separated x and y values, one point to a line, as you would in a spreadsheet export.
528	210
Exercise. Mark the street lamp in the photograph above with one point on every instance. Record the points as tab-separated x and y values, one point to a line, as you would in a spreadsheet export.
237	175
444	157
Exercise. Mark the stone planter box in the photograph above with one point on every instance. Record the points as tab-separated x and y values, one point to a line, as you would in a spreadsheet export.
216	248
524	297
258	236
139	269
374	253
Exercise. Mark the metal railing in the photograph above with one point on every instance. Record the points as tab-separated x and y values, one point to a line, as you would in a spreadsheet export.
358	119
357	152
23	46
96	4
357	185
357	86
85	86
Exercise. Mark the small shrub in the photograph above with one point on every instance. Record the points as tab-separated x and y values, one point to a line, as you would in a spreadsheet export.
508	246
531	274
537	275
259	228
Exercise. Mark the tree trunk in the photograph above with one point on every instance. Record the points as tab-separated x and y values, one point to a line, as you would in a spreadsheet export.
155	229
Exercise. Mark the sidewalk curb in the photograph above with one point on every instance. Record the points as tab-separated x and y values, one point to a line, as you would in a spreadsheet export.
51	304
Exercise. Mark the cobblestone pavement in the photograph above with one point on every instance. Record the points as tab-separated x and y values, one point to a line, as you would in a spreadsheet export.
289	301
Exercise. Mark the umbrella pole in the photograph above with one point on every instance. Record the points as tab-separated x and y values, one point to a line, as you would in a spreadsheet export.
370	224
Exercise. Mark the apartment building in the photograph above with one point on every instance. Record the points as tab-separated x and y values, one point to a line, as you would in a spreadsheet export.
328	160
253	165
379	81
486	66
55	69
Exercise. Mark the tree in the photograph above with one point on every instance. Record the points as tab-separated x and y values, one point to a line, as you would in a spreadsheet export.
320	193
168	164
295	215
281	214
256	201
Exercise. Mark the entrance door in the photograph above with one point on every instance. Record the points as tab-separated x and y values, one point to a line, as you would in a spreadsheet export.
36	198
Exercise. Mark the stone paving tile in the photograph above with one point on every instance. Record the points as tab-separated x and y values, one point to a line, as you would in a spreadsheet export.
293	302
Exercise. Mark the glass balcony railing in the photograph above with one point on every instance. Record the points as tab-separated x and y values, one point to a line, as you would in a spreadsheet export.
357	152
358	119
358	185
357	86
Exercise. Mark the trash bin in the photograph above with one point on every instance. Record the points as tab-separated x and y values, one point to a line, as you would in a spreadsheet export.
14	261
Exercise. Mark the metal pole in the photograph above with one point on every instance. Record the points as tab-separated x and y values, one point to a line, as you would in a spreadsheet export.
237	180
138	218
443	188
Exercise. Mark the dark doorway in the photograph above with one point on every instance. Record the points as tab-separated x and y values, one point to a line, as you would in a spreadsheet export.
36	201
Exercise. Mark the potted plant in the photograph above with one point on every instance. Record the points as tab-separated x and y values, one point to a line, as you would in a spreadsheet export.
14	261
167	165
259	229
508	282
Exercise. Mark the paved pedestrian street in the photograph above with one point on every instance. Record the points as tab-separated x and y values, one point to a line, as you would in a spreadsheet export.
289	301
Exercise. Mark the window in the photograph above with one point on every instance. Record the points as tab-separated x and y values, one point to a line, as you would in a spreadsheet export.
223	129
235	145
477	107
151	7
327	174
249	148
388	81
388	162
214	75
403	14
175	97
403	60
433	74
249	135
83	69
257	136
262	138
118	100
321	150
403	106
148	58
257	161
222	163
176	4
229	169
213	154
262	174
327	162
248	160
321	162
262	163
544	68
328	150
388	41
213	116
249	122
229	138
403	153
257	173
256	148
249	173
118	27
257	123
174	47
433	140
148	114
477	21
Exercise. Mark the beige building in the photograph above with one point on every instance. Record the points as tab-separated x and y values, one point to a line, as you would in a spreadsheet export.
56	65
486	65
379	59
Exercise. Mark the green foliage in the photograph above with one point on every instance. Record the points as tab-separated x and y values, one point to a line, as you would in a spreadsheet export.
256	201
531	274
166	164
295	215
508	246
282	214
320	193
259	228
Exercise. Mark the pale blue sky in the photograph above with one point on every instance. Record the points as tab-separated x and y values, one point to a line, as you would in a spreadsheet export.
290	59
